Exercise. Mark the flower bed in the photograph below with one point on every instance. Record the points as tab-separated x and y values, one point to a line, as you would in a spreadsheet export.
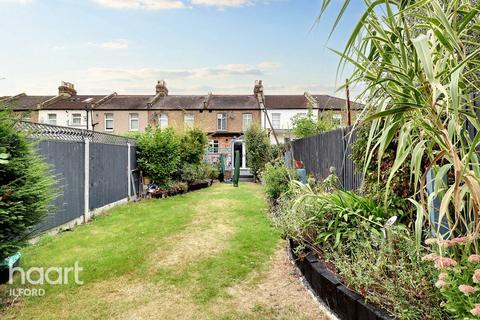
345	303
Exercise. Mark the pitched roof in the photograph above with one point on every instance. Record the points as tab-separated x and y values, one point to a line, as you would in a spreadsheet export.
334	103
25	102
180	103
286	101
126	102
77	102
233	102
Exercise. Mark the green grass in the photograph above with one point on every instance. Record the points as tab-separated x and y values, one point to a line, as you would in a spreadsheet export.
119	246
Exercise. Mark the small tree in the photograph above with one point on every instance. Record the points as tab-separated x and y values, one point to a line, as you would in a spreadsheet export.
258	147
26	187
159	154
307	126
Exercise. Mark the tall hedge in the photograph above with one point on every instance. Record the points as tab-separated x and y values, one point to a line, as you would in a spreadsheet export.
159	154
26	187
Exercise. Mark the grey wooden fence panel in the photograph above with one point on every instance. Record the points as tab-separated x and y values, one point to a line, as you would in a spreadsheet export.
67	162
108	174
330	149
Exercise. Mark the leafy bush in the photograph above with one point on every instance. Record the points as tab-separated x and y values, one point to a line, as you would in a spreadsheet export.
328	219
306	126
159	154
258	148
373	183
390	275
276	178
212	171
192	146
196	172
26	187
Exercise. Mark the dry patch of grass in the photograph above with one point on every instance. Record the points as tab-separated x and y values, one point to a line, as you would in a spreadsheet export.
211	254
206	236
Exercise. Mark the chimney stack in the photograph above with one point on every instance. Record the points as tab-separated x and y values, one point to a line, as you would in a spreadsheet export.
258	89
66	89
161	88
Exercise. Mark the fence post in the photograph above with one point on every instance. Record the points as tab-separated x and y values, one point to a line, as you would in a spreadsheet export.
129	171
86	193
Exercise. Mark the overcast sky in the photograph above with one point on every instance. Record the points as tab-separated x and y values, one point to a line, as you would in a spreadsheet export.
197	46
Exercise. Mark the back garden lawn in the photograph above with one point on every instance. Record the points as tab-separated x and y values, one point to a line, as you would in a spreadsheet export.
205	255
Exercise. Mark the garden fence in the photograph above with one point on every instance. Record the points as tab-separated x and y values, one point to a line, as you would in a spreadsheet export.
329	149
94	170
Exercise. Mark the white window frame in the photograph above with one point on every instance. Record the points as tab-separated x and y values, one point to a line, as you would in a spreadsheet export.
279	120
337	119
50	120
163	121
222	121
247	121
133	117
76	116
213	146
189	120
107	118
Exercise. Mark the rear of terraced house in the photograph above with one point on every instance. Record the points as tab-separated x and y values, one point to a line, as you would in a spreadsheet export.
223	117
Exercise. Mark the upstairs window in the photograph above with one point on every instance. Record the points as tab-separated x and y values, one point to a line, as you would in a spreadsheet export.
108	121
76	119
337	120
163	121
133	121
221	121
189	120
247	121
276	120
52	118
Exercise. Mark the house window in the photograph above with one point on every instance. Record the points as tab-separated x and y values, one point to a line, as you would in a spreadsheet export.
276	120
221	121
163	121
52	118
247	121
188	120
133	121
108	121
337	120
76	119
213	146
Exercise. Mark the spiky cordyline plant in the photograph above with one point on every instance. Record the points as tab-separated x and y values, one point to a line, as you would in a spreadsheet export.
418	61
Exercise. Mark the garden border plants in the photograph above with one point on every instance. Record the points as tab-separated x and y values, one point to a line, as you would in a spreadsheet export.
343	302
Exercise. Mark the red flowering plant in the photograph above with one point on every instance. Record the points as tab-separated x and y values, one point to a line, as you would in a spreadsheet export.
458	275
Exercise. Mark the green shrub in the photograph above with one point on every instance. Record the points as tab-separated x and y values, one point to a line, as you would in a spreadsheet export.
212	171
328	219
390	275
26	187
159	154
258	148
193	144
276	178
196	172
307	126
